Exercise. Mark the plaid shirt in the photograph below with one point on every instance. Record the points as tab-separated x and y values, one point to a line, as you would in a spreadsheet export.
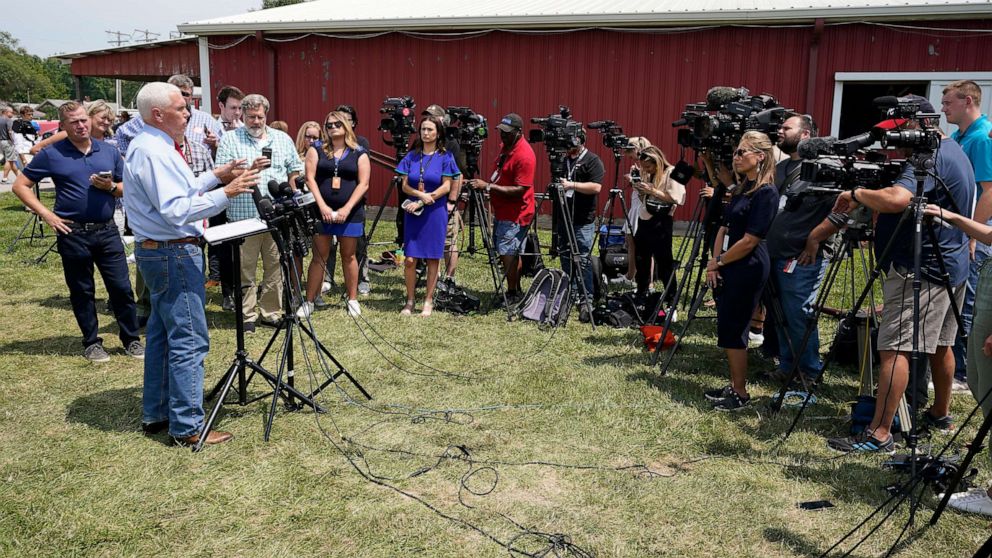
238	144
198	156
196	127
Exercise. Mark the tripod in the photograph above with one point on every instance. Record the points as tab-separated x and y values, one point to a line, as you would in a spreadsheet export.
608	210
476	199
35	222
396	183
576	271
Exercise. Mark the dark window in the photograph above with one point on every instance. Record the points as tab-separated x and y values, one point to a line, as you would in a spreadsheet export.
858	114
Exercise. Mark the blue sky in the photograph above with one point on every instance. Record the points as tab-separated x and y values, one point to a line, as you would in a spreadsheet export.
72	26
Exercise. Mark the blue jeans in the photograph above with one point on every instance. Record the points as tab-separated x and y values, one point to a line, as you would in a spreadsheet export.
583	241
509	238
797	292
176	338
81	250
960	348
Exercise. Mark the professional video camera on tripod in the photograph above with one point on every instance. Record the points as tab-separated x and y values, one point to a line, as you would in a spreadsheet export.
292	218
607	264
560	134
712	129
398	122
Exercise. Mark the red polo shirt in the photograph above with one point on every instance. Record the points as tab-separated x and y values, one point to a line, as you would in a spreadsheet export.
517	170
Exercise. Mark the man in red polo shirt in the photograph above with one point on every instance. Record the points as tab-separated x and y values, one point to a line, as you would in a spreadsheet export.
511	189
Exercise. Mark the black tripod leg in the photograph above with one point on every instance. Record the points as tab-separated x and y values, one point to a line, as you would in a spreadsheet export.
236	369
685	328
287	347
973	449
378	214
342	371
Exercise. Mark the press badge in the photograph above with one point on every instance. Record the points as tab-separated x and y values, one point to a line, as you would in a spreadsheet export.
336	183
790	266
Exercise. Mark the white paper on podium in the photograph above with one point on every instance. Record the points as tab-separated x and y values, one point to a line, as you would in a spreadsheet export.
237	229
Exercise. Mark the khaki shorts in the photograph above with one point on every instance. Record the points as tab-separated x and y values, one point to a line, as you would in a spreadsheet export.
938	328
455	226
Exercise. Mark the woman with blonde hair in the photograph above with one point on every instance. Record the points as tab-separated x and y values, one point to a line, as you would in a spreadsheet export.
338	177
741	264
659	196
307	136
634	146
102	118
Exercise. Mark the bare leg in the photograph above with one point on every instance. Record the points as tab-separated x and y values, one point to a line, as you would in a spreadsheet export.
942	370
315	273
893	375
737	359
432	267
512	266
410	276
349	265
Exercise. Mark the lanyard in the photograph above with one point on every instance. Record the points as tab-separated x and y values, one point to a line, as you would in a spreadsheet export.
338	159
573	164
421	185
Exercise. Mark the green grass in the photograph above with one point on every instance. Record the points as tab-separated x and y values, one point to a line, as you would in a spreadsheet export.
559	418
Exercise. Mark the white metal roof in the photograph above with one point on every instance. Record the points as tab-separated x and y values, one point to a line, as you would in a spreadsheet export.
441	15
65	57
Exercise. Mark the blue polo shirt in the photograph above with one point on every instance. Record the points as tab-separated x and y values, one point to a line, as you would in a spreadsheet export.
76	199
977	144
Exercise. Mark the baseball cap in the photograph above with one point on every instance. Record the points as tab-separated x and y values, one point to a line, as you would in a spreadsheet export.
511	123
435	111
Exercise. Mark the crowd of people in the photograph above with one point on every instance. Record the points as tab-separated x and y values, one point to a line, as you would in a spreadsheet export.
174	167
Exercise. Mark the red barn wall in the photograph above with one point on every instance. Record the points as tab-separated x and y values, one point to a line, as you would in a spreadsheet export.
641	80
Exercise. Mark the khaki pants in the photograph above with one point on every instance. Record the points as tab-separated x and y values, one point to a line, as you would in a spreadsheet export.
270	302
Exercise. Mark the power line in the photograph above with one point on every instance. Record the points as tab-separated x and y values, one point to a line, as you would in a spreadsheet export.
119	40
149	36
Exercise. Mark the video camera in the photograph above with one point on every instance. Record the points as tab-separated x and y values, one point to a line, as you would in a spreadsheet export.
717	125
470	129
398	120
613	136
559	132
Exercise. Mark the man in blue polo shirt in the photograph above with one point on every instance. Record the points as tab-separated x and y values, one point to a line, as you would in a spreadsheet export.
960	106
87	176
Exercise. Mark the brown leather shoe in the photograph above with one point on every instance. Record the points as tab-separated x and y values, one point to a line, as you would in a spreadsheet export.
215	437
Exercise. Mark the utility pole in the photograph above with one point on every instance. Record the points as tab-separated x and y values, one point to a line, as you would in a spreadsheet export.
120	40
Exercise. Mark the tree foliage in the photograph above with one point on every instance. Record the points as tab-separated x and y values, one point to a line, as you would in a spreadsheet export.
23	77
266	4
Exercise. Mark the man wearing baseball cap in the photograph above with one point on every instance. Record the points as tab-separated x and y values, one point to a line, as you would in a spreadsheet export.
455	222
938	326
511	188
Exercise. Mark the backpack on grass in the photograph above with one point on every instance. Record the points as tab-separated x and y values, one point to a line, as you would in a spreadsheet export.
548	300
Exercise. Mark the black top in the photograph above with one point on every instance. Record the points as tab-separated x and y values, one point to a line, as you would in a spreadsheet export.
347	171
587	168
25	128
798	214
363	142
751	214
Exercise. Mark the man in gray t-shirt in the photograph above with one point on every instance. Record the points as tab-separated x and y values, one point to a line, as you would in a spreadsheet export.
7	141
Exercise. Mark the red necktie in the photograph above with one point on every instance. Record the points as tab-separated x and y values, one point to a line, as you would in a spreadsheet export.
179	150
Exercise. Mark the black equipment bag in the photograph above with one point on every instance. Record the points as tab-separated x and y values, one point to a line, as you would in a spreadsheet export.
454	299
615	312
613	260
531	260
548	300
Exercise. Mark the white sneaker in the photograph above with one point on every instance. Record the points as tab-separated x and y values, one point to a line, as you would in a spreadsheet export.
975	500
305	311
957	386
325	287
353	308
319	302
131	259
755	338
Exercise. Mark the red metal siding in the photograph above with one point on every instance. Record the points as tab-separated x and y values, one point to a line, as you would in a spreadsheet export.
142	64
641	80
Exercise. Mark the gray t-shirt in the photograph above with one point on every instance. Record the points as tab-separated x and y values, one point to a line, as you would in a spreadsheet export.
798	215
6	129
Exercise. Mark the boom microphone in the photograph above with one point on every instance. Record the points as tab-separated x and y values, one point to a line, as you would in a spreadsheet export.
813	148
718	96
887	101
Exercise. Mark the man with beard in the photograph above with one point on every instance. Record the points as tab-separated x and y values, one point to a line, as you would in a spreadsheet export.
798	253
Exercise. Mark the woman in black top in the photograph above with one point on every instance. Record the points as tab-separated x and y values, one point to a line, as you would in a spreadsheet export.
338	176
741	264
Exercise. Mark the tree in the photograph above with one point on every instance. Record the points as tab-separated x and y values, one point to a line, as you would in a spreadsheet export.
266	4
23	77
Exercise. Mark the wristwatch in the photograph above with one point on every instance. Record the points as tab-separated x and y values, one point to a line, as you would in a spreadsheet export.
488	186
719	260
854	196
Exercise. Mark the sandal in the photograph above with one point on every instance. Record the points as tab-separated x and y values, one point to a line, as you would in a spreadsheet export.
428	308
408	308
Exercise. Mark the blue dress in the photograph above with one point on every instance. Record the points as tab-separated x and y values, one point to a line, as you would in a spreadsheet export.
744	280
424	234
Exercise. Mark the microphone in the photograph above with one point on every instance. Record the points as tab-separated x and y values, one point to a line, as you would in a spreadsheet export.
812	148
887	101
718	96
264	205
274	189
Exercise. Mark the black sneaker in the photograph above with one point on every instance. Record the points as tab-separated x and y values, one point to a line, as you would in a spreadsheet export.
135	350
228	304
715	395
249	327
944	425
733	402
96	353
862	443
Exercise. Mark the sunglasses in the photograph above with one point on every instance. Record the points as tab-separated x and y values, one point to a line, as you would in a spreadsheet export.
644	157
333	125
186	94
742	152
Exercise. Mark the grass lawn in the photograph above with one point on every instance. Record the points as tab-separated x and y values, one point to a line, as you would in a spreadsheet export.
481	433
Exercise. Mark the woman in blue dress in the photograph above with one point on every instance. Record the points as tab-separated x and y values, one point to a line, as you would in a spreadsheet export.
337	174
427	171
741	261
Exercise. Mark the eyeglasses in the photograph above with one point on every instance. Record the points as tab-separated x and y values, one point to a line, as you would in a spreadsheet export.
742	152
333	125
187	94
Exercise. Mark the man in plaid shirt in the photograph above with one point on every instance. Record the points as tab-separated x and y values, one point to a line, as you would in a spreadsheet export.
284	165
